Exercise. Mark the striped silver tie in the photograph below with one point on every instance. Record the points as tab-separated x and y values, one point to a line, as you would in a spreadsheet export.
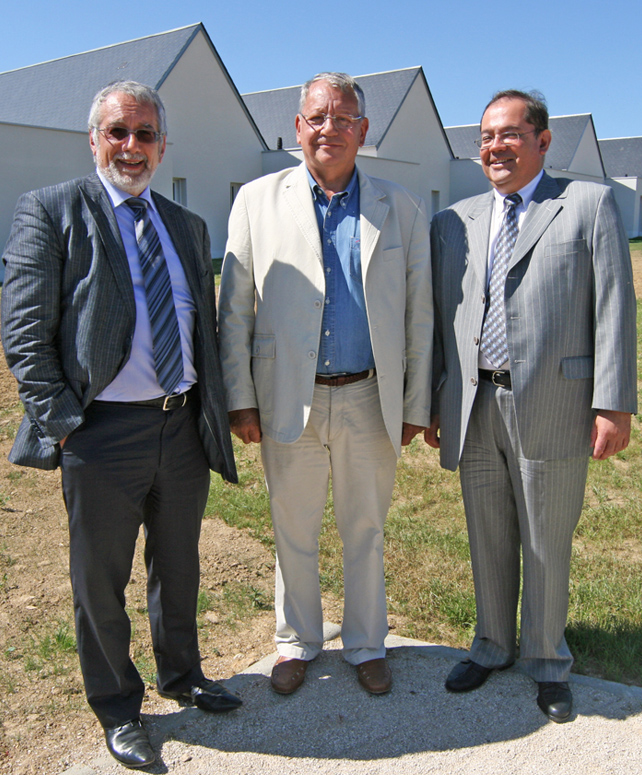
493	339
168	356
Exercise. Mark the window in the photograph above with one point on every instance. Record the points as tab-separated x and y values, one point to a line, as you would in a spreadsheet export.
234	189
434	202
179	191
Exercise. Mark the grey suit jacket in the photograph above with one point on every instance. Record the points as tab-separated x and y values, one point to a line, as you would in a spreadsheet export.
272	292
68	315
570	317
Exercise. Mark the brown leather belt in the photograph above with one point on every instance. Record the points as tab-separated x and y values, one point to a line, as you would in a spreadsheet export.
344	379
497	377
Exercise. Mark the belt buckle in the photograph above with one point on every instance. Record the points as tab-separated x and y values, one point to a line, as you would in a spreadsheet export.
167	408
496	374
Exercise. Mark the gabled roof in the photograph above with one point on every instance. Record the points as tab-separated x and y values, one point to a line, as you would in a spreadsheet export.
462	140
567	132
57	94
622	157
274	110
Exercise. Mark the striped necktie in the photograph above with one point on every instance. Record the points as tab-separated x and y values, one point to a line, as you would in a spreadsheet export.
168	356
493	339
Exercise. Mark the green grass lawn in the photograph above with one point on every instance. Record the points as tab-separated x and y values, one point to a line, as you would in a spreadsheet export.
429	580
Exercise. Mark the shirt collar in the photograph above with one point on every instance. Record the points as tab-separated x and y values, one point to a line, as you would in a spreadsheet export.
526	193
343	197
118	196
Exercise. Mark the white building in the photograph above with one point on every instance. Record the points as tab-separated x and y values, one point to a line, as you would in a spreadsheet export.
213	143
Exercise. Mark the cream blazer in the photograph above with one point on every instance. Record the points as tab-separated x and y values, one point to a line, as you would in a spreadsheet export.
272	298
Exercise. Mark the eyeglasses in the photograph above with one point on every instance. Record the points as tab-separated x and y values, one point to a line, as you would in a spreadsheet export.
116	134
505	138
344	121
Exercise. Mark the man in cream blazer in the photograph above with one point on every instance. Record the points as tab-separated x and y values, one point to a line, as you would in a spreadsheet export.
522	429
326	339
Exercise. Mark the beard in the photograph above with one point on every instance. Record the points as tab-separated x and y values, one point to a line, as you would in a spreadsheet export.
134	183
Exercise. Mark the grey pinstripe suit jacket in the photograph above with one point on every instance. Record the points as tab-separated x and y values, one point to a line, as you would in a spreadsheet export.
68	315
570	317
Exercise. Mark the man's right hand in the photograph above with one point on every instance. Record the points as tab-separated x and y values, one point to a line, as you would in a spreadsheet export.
246	424
431	434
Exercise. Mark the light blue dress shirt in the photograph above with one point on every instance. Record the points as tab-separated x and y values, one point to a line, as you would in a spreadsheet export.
137	380
345	346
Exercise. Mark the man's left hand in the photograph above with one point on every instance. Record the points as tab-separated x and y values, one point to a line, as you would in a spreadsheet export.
409	431
610	433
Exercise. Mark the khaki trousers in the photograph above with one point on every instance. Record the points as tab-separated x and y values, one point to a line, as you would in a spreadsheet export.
347	436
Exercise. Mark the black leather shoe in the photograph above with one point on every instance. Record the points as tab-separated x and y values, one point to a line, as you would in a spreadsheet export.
129	744
468	675
555	700
206	695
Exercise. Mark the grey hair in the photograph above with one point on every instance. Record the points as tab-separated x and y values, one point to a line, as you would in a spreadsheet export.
341	81
144	95
536	112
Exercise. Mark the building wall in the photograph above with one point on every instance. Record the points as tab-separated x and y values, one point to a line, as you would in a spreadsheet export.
37	158
587	157
628	195
416	138
214	145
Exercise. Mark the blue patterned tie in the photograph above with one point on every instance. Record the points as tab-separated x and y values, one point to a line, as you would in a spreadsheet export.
493	339
168	355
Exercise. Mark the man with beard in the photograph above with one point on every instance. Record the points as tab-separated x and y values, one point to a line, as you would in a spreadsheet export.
108	324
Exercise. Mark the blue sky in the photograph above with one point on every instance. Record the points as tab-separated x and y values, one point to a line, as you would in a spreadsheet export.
582	54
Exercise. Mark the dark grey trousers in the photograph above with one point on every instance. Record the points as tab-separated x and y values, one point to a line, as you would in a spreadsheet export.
127	466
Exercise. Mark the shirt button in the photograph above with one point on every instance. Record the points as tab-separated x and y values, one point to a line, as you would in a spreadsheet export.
327	363
327	301
329	242
328	269
327	333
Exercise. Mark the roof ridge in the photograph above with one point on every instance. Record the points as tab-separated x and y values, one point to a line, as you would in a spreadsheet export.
101	48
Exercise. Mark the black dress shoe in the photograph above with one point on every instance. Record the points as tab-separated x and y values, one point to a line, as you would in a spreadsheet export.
129	744
555	700
206	695
466	676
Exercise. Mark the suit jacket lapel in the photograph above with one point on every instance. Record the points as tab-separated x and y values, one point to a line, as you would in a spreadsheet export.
100	207
298	196
478	232
547	201
373	214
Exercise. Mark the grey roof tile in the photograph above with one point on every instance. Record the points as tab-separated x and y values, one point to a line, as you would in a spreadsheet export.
274	110
622	157
57	94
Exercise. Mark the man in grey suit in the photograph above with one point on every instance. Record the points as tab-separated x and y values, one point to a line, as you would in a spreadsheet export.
534	367
108	324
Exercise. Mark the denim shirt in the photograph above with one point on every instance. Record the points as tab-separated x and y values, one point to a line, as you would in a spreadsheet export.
345	346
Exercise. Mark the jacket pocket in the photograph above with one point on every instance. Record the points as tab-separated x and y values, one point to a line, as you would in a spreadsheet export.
578	367
393	254
263	346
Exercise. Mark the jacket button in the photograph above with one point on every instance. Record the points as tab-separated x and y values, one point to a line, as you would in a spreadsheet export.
476	340
317	304
473	381
312	354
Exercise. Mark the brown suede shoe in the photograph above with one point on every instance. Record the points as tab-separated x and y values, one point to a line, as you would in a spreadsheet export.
375	676
288	674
